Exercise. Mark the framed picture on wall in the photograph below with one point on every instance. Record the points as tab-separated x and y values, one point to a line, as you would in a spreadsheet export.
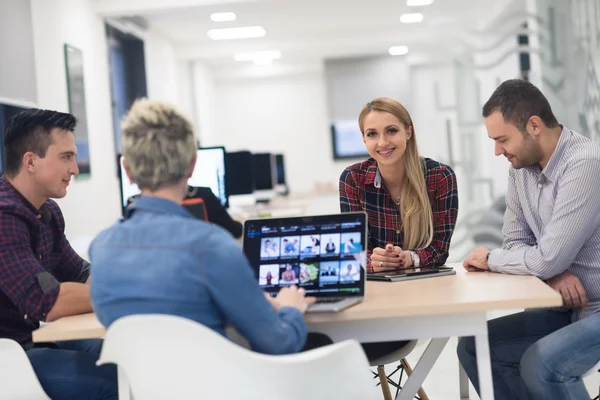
76	94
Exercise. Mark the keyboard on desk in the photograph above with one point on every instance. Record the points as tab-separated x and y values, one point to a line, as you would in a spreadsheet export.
324	300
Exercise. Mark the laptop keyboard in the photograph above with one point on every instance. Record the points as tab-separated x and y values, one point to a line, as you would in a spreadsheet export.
324	300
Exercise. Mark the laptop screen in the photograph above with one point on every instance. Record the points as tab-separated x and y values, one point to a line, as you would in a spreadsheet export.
323	254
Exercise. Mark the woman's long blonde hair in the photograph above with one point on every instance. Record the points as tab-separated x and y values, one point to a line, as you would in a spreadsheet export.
415	207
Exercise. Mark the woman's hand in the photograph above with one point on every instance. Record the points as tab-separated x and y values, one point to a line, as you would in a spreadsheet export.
388	258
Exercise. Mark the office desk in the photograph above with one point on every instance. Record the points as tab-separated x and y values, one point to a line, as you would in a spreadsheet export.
437	308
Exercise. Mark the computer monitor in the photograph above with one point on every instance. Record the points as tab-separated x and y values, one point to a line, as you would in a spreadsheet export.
265	176
239	179
209	172
347	140
282	187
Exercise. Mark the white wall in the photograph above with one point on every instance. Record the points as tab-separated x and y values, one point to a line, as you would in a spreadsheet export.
93	203
353	82
204	104
16	47
282	114
161	69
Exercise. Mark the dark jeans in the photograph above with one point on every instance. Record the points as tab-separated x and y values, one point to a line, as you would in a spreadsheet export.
67	371
372	350
537	355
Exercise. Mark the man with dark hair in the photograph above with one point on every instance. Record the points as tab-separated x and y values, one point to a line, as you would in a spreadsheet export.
41	276
552	231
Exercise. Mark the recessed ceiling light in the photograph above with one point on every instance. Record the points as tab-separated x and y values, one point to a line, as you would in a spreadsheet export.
411	18
252	56
245	32
417	3
398	50
223	17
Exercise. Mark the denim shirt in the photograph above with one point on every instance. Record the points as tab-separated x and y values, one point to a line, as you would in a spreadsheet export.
161	260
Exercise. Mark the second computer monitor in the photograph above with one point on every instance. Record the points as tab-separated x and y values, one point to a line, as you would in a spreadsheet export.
264	169
239	179
282	187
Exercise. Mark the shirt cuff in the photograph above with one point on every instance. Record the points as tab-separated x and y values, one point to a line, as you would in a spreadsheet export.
508	261
495	260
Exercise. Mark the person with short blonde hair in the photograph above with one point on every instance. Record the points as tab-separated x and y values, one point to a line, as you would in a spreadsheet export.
162	260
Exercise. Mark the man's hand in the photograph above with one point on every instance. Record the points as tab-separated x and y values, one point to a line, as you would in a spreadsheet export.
477	260
570	288
273	301
292	296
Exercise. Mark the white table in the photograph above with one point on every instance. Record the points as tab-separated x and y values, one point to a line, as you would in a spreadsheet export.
436	308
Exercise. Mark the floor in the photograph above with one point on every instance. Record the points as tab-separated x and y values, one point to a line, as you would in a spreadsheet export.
442	383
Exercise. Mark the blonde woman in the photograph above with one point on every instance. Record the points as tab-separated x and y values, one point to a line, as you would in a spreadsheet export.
412	202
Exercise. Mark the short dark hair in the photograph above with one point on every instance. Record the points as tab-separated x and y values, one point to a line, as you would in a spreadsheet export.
30	131
518	100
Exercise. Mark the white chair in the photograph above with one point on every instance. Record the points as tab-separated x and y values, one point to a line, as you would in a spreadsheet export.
594	370
17	378
168	357
399	356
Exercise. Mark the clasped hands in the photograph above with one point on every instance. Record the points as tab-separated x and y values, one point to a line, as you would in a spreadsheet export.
390	258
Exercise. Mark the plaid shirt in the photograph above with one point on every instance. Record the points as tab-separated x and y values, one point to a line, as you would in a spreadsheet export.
362	189
35	257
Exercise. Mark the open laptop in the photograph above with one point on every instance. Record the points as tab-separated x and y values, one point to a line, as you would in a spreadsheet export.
323	254
410	274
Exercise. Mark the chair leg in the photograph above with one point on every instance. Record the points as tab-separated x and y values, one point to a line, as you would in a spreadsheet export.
408	369
385	387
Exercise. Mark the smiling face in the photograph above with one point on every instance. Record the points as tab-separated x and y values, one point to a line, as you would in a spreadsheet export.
520	149
385	137
52	173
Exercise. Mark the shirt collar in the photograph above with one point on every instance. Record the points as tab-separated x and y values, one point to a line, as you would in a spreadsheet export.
7	187
373	176
157	205
551	169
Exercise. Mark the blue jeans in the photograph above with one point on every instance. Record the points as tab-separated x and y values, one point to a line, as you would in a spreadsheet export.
67	370
537	355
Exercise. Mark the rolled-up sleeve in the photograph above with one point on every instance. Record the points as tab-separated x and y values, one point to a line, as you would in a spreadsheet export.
238	296
31	288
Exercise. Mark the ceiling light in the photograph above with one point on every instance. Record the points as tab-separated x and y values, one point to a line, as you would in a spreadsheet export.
411	18
223	17
417	3
245	32
398	50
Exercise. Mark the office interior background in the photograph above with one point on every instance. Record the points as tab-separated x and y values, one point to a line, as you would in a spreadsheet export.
311	68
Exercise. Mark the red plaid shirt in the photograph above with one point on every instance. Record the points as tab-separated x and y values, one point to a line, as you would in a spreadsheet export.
362	189
35	257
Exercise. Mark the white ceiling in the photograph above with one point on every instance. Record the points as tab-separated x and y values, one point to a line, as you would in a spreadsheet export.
307	30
